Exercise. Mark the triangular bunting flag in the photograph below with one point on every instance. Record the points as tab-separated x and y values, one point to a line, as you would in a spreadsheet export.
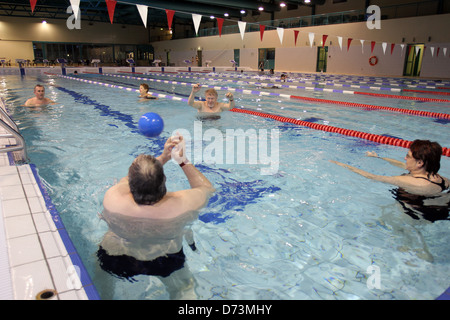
349	40
295	36
432	51
362	46
340	42
445	51
219	25
196	18
111	4
33	4
403	47
437	52
280	32
143	11
372	45
417	50
324	39
392	47
384	44
75	4
311	38
261	30
242	25
170	14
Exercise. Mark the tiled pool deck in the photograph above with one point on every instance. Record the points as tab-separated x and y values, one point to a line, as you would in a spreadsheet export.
36	253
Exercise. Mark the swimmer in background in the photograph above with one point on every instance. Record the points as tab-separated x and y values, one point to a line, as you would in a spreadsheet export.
283	77
39	99
143	92
422	191
210	106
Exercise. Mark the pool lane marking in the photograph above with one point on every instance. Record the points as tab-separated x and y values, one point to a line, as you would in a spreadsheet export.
336	102
326	81
348	132
312	125
291	86
121	87
381	95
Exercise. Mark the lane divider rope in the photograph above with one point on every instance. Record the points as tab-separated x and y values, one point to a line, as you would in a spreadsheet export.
336	102
393	96
348	132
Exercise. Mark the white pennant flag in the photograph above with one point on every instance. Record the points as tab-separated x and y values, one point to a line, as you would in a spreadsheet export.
143	10
445	51
340	42
403	46
432	51
362	45
311	39
242	25
280	34
75	7
417	50
384	44
196	18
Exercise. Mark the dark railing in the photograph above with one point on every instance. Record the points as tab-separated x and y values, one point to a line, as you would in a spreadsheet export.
422	8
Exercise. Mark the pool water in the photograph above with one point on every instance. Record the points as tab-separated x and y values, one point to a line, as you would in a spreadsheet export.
309	230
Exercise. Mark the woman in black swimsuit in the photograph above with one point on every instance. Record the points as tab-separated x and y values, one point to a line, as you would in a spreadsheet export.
423	185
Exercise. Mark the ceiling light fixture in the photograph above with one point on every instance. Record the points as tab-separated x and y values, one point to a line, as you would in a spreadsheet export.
282	4
212	17
261	9
307	1
242	11
226	14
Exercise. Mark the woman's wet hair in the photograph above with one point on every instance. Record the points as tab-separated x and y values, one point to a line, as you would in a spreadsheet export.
430	154
147	180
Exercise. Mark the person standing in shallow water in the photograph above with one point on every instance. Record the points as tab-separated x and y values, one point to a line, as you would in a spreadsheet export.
147	224
39	98
210	105
422	191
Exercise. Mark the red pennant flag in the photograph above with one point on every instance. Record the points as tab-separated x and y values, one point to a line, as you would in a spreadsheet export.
33	4
392	47
324	38
170	14
261	30
295	36
348	43
372	44
220	24
111	4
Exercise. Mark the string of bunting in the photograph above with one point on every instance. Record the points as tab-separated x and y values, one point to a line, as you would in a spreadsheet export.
196	18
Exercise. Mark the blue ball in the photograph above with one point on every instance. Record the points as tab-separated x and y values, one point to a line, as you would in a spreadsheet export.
151	124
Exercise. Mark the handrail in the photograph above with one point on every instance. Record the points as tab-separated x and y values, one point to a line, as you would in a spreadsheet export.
13	132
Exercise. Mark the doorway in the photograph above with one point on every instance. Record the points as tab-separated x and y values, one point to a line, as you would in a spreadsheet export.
266	58
413	60
198	58
322	53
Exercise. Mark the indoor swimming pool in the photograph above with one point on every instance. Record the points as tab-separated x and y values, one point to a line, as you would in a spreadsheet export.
283	224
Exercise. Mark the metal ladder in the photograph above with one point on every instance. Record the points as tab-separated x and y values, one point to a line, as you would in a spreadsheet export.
19	150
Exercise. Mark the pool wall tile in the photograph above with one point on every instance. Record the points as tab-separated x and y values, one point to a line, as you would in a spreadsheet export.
36	252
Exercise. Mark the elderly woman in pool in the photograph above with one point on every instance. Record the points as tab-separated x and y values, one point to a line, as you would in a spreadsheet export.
423	163
210	105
